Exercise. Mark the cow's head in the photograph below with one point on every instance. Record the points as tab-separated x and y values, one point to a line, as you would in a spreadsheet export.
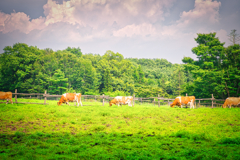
224	106
110	103
59	103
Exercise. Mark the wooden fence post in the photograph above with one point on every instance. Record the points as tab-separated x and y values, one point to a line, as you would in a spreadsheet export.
186	94
158	101
133	99
199	103
15	96
45	98
103	100
212	100
154	101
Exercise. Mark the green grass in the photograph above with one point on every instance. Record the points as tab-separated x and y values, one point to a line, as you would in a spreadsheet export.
29	131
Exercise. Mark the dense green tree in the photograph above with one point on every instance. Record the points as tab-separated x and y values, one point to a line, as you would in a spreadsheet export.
17	67
58	83
214	71
231	70
32	70
75	51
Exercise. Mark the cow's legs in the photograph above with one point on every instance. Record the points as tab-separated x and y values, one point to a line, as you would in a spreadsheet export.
80	102
129	104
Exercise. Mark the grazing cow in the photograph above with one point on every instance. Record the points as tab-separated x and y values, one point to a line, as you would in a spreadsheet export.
6	96
231	101
70	97
179	101
122	100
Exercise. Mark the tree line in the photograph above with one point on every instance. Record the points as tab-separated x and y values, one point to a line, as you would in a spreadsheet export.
33	70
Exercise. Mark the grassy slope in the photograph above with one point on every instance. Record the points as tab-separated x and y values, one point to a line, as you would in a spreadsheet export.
102	132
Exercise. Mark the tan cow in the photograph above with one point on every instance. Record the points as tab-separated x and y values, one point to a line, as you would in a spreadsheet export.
70	97
179	101
122	100
6	96
231	101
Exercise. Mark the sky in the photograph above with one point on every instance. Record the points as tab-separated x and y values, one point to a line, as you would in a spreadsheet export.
134	28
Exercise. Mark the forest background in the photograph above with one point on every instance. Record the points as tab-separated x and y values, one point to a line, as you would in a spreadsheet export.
216	70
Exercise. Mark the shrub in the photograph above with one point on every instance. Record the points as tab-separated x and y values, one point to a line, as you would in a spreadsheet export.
230	141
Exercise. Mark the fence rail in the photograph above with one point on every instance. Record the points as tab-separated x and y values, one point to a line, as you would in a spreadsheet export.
104	98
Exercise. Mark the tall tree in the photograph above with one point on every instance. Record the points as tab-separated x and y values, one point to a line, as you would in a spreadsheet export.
211	72
59	83
233	36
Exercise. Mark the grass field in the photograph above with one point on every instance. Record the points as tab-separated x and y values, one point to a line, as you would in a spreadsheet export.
29	131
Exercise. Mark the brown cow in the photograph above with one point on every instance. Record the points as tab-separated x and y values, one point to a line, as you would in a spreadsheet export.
231	101
70	97
179	101
121	100
7	96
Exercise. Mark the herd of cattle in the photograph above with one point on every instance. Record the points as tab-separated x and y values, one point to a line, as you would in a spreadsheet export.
127	100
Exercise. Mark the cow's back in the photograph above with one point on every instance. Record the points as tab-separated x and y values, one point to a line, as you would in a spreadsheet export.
70	96
186	100
5	95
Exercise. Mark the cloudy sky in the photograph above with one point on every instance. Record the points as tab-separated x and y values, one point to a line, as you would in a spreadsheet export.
135	28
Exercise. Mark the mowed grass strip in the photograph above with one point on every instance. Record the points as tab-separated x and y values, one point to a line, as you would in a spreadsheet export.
103	132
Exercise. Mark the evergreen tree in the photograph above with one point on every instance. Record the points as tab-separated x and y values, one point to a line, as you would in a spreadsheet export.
58	83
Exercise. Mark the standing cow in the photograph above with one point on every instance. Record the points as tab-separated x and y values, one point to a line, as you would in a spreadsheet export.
231	101
122	100
6	96
70	97
179	101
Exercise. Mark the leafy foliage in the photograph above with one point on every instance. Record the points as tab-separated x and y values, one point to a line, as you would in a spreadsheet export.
217	69
31	70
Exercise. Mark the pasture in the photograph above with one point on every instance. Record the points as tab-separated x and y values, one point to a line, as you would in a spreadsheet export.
31	131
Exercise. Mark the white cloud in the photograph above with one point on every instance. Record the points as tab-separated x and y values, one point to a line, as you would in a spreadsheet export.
124	25
60	12
223	36
205	12
131	30
19	21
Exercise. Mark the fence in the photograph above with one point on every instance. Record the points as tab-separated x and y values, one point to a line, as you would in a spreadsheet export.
104	98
